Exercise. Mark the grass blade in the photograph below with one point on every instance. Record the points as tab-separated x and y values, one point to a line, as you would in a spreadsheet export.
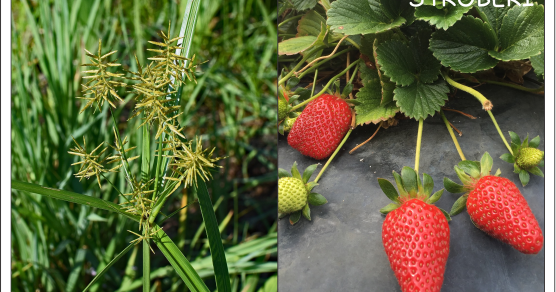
112	262
181	265
72	197
215	240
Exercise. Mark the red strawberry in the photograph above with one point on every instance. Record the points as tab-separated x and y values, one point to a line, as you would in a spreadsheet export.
415	233
496	206
321	126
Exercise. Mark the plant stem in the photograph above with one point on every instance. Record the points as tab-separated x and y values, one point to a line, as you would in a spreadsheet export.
315	81
418	150
333	155
294	69
452	135
158	169
325	87
500	132
316	65
353	43
539	90
487	105
146	265
290	19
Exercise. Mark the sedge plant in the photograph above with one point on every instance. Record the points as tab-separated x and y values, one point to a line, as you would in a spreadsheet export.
177	161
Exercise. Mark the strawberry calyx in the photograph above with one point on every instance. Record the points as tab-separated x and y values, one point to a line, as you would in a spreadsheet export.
469	173
409	187
526	157
314	199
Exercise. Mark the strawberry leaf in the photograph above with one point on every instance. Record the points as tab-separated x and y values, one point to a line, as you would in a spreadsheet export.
521	33
283	173
442	17
317	199
389	208
486	164
310	24
534	143
370	109
508	158
453	187
428	184
387	85
295	171
493	16
399	184
308	172
388	189
448	218
353	17
515	138
307	212
459	205
406	64
303	4
420	100
294	217
465	46
524	177
538	64
473	168
465	179
409	179
435	197
296	45
311	185
536	171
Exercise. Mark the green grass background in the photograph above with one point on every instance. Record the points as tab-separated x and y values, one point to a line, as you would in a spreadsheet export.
59	246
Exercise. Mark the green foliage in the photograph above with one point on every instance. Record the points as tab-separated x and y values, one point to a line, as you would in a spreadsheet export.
232	96
442	17
370	109
353	17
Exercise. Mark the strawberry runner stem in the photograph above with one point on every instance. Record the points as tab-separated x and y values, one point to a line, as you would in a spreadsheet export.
294	69
487	105
458	148
418	150
333	155
325	87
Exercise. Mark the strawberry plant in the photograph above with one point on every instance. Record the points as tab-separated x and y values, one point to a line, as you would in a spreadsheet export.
391	61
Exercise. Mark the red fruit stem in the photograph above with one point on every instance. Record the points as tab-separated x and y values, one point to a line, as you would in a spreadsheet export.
418	151
333	155
325	87
458	148
487	105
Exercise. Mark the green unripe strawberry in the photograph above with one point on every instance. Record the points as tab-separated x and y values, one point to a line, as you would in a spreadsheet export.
529	157
292	195
295	193
282	109
288	123
525	157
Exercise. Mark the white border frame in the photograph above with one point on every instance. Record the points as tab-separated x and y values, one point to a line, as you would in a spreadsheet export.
549	146
5	146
